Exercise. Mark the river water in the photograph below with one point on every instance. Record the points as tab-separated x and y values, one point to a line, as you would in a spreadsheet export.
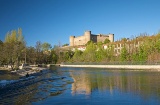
78	86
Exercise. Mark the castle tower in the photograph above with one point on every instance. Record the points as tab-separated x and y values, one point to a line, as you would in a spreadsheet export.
111	37
71	39
87	35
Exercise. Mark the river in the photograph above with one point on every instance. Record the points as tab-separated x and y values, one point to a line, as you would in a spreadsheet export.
78	86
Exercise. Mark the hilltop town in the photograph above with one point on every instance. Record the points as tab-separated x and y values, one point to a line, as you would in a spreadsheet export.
91	48
80	42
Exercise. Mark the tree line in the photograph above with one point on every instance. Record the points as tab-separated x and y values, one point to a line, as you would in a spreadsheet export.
14	52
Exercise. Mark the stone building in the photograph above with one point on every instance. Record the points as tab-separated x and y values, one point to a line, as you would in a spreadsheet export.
88	36
118	46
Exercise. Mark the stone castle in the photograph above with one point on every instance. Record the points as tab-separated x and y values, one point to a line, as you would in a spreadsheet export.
82	40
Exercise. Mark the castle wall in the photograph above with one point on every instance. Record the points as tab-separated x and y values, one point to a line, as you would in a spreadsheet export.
101	38
87	35
82	40
94	38
111	37
71	39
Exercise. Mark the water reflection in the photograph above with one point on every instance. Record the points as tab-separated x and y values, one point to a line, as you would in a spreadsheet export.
145	84
85	86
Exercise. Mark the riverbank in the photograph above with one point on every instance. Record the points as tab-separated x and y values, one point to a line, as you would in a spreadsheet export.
30	71
3	68
135	67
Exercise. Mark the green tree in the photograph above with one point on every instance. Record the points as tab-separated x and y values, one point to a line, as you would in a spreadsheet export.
110	53
157	46
106	41
142	54
31	55
66	56
46	49
124	40
100	53
89	54
89	42
77	55
13	47
124	54
135	56
65	45
54	57
46	46
1	53
57	50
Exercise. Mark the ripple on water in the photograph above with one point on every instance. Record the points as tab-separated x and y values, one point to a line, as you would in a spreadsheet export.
56	91
27	90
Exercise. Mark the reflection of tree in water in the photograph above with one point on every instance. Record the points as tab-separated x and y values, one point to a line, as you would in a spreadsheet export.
136	82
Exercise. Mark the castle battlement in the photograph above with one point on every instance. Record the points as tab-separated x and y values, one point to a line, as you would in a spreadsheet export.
88	36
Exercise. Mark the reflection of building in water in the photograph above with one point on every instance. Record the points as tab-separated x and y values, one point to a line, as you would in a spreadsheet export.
81	83
85	83
125	81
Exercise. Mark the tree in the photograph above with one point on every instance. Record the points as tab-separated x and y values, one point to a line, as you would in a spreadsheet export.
66	56
57	52
1	42
124	40
46	49
39	53
89	54
31	55
13	46
54	56
77	55
142	54
65	45
89	42
106	41
100	53
46	46
124	54
110	53
38	46
1	53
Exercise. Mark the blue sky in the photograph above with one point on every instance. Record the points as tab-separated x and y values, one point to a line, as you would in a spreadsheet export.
53	21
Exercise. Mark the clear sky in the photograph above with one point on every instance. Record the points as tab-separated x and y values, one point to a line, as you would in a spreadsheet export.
53	21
